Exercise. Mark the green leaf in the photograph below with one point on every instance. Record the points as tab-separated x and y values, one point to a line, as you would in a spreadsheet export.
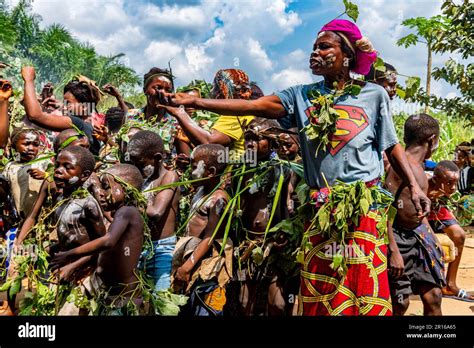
257	255
409	40
401	93
364	206
336	261
351	10
5	286
379	64
15	288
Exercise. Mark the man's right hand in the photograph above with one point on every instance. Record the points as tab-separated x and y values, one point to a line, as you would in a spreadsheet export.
28	73
6	90
396	264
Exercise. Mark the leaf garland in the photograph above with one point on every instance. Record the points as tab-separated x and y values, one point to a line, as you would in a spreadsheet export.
345	205
323	116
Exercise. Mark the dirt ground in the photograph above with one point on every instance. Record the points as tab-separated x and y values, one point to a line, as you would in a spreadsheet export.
465	280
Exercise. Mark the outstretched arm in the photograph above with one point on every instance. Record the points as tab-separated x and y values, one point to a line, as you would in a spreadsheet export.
118	227
33	108
196	134
398	160
114	92
268	107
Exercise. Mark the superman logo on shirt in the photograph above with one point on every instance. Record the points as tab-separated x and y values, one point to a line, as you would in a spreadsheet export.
352	120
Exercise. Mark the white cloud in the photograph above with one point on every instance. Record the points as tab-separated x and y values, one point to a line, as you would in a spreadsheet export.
257	53
160	52
174	17
290	77
197	58
204	36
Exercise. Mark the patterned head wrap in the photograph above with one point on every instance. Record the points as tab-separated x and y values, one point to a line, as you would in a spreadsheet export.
97	94
231	84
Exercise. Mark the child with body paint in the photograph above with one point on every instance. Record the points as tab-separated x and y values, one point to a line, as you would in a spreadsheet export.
146	151
261	289
78	217
118	250
198	268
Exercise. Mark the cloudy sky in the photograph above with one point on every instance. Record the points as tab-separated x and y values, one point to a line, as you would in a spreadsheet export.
270	39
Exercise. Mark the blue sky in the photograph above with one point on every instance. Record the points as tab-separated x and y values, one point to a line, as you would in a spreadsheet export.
270	39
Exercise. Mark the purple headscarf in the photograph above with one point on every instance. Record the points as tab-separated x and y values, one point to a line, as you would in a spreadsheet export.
365	54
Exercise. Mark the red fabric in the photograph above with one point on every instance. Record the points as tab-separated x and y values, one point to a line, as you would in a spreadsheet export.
97	119
366	282
441	214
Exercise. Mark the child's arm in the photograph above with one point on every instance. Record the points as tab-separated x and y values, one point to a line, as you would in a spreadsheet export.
184	272
395	264
114	92
33	108
398	160
31	219
121	223
94	218
163	199
5	94
67	272
196	134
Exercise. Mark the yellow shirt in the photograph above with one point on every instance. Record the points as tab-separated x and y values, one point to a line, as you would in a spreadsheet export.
232	126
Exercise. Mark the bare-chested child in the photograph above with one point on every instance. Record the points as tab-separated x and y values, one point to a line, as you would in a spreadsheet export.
119	249
415	256
442	185
262	283
146	152
199	270
78	216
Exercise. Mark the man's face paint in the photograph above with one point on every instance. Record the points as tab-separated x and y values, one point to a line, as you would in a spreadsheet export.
327	56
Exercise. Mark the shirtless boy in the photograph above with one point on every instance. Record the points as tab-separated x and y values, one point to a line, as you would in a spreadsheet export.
415	257
146	152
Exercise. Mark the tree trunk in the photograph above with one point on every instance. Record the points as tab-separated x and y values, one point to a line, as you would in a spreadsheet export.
428	77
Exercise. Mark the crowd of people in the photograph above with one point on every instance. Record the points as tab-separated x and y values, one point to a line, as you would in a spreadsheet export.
302	202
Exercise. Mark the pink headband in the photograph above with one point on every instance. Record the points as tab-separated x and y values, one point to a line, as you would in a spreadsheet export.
365	53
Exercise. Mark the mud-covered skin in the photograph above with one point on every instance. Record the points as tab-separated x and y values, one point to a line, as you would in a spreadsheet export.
201	207
79	221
